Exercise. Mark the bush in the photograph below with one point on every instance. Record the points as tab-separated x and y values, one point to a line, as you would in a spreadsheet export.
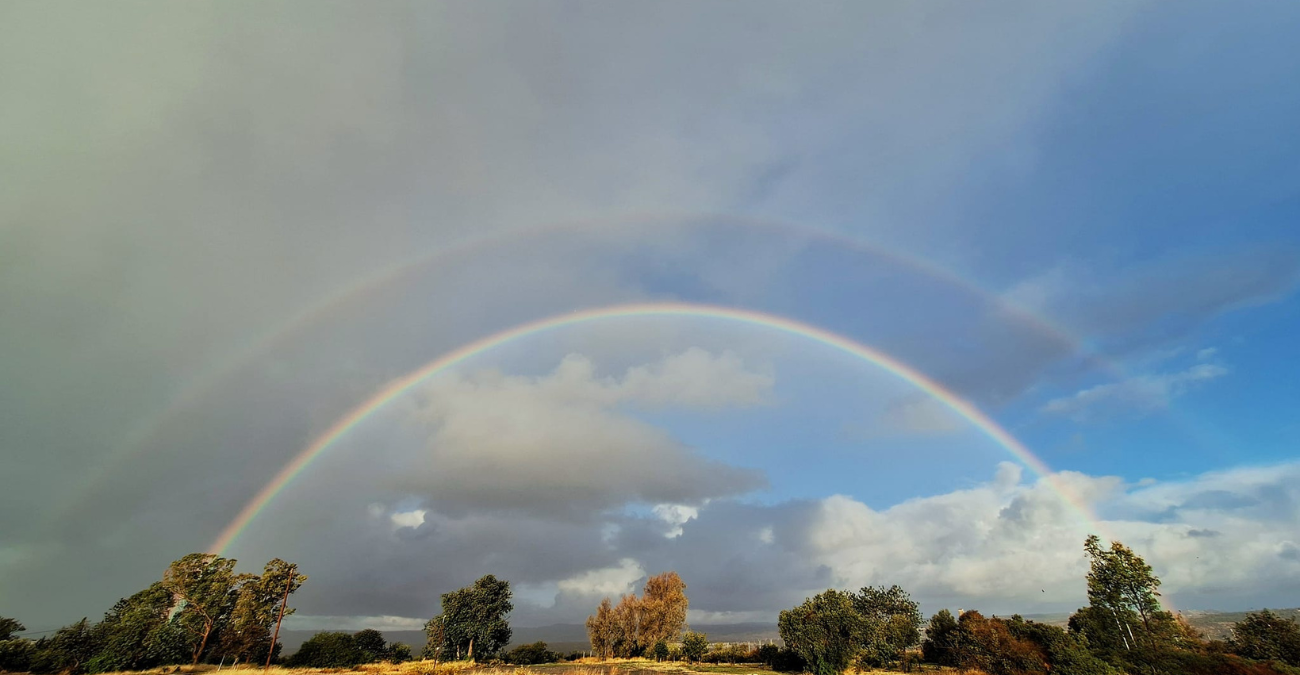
372	644
659	652
1166	660
789	661
527	655
989	645
940	644
328	650
766	654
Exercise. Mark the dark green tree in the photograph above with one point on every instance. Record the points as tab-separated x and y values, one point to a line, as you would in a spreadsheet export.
372	644
205	585
1122	584
660	651
328	650
940	645
473	620
826	630
1265	636
125	637
399	652
892	623
10	626
245	633
694	645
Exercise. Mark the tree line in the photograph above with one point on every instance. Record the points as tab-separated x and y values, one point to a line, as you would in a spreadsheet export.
200	610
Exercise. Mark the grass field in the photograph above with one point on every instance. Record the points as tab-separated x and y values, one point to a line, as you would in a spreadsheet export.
581	667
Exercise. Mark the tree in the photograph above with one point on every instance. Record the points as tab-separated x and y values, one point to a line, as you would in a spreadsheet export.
1121	583
399	652
10	626
694	645
825	630
892	624
372	644
328	650
127	637
246	634
660	651
600	630
627	637
205	584
940	645
663	609
1265	636
990	646
473	619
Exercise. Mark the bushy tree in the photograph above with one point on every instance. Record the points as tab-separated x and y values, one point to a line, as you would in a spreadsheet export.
8	627
660	651
1066	653
1123	585
129	636
246	633
399	652
372	644
694	646
16	655
530	654
204	584
940	645
328	650
826	630
473	620
892	624
662	609
1265	636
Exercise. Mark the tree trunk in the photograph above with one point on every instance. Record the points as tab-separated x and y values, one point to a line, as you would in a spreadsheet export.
207	630
469	656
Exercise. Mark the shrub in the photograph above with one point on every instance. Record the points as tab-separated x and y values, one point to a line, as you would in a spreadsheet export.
660	651
371	643
989	645
789	661
766	654
16	655
328	650
527	655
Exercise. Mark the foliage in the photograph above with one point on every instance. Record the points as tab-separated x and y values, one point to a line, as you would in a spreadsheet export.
530	654
126	638
660	651
789	661
766	654
246	634
372	644
989	645
892	623
1267	637
1122	583
663	609
826	630
473	621
694	645
16	654
940	644
600	630
328	650
1066	654
8	627
205	584
399	652
633	626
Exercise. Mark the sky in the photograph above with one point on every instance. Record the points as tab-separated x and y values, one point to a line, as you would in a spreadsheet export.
225	226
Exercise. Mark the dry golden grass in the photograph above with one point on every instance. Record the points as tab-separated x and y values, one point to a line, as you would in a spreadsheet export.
586	666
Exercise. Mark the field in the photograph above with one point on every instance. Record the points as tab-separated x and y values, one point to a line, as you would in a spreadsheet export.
582	667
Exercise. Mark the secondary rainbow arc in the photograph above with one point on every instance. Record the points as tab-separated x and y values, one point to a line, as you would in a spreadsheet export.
399	386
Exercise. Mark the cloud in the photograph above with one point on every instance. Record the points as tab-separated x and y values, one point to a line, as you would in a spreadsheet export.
1137	396
605	582
563	443
922	416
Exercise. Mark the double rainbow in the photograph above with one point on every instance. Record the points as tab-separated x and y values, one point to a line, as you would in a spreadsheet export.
396	388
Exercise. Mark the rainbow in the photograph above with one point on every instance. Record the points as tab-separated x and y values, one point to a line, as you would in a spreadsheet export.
401	385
